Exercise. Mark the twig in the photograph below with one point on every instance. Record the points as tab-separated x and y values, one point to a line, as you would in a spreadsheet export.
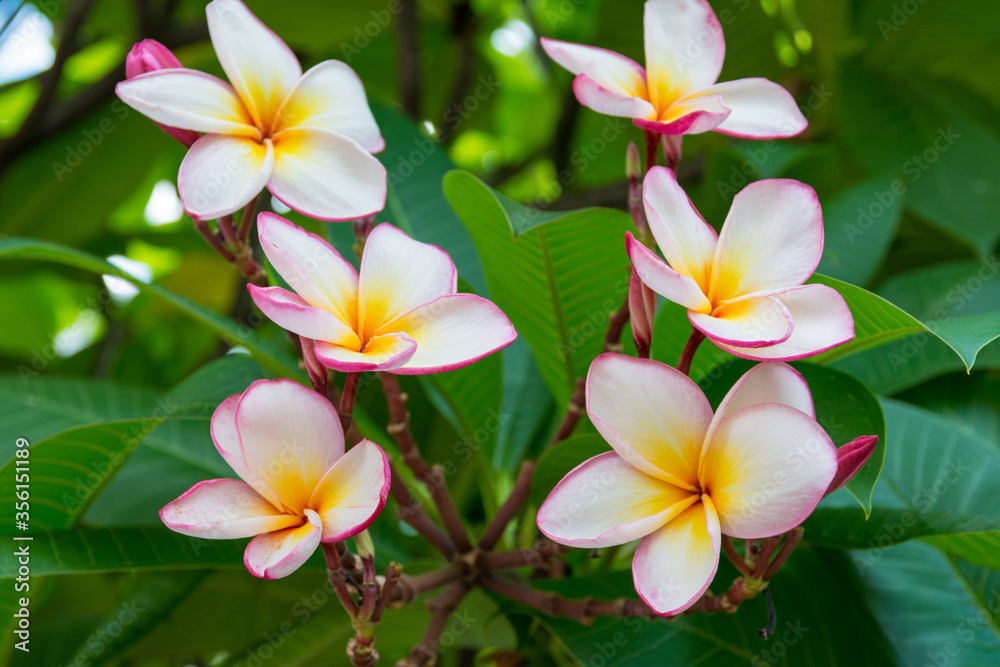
791	540
392	576
764	558
213	241
544	551
734	556
432	477
510	508
246	223
424	654
410	512
338	578
583	611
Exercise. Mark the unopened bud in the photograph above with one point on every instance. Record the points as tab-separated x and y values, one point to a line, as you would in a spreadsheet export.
363	543
151	56
642	308
851	458
633	165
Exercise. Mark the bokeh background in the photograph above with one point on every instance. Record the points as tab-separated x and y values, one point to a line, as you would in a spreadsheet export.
903	147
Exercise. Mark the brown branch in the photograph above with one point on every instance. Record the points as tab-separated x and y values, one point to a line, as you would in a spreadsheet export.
432	477
582	611
409	511
409	587
539	556
338	578
764	558
510	508
424	654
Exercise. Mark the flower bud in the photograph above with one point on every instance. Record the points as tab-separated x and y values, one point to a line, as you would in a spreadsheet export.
363	543
150	56
851	458
633	165
642	306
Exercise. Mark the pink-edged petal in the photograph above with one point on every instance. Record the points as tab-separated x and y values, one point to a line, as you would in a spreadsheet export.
399	274
686	240
692	116
652	415
260	66
326	176
353	491
674	566
226	437
381	353
851	458
766	468
289	311
221	174
310	266
331	97
662	279
684	48
606	501
222	509
451	332
278	554
189	100
772	238
761	109
611	102
821	320
607	69
291	436
752	323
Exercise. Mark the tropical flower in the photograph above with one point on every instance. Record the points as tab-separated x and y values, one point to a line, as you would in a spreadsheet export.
680	478
307	137
743	289
298	486
150	56
677	92
401	314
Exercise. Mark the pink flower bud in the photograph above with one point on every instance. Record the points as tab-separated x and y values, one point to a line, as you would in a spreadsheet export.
150	56
642	306
851	458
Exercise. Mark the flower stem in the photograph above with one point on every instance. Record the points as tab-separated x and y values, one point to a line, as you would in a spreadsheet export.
246	223
424	654
792	539
347	398
213	241
652	148
687	354
734	556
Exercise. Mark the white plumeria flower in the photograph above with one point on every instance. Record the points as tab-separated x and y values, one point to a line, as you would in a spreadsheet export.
402	313
744	288
680	478
677	92
297	486
307	137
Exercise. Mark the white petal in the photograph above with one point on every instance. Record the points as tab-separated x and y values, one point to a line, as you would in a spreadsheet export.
761	109
331	97
311	267
609	70
289	311
278	554
381	353
674	566
766	468
260	66
326	176
451	332
221	509
686	240
603	100
821	320
751	323
606	501
221	174
664	280
291	436
654	416
399	274
189	100
353	492
772	238
689	116
684	48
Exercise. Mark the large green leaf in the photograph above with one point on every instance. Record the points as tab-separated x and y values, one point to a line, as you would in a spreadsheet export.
557	276
934	609
939	485
817	600
277	359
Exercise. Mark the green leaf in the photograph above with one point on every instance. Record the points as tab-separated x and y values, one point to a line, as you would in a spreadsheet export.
935	609
278	360
858	229
558	460
818	601
939	485
557	277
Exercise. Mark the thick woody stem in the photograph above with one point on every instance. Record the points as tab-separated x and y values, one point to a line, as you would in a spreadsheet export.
424	654
543	552
432	477
409	587
510	508
687	354
583	611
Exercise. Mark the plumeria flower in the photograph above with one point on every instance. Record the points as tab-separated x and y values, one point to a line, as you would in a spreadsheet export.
307	137
150	56
677	92
680	478
401	314
297	486
744	288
